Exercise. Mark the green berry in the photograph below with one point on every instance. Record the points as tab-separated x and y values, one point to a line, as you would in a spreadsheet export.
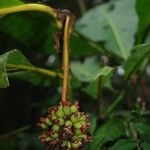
83	117
60	113
54	116
75	138
73	119
77	125
73	109
55	128
77	131
48	139
68	123
43	126
82	122
75	145
54	136
69	145
61	121
64	144
82	136
66	110
47	121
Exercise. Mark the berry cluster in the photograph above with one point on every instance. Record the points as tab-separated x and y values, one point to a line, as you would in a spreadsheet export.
65	128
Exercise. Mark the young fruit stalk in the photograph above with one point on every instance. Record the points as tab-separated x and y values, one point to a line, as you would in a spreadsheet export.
65	127
66	66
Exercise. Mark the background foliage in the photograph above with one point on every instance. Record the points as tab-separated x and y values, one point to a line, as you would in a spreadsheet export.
110	66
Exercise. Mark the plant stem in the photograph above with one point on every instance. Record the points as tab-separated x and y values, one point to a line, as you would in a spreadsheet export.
16	131
99	97
82	6
115	103
30	7
35	69
66	65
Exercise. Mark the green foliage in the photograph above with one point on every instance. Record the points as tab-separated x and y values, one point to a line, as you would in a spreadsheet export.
139	53
110	131
13	61
142	8
111	24
89	70
10	3
129	144
13	57
145	146
93	124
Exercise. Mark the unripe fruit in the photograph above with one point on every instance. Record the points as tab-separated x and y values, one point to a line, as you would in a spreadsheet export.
47	121
66	110
82	136
73	119
69	145
54	116
60	113
66	126
77	125
64	144
73	109
74	138
60	121
75	145
83	117
55	135
82	122
48	139
77	131
68	123
43	126
55	128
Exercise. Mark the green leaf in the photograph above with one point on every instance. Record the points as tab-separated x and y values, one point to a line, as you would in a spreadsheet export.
30	36
110	131
142	127
29	22
104	71
89	70
142	8
145	146
32	77
9	3
81	46
138	55
91	89
83	70
109	23
12	57
13	61
93	124
124	144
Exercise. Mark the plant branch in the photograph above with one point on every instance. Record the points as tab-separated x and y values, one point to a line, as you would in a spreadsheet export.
66	65
30	7
115	103
16	131
35	69
82	6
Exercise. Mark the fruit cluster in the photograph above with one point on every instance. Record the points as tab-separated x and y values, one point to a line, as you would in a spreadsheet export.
65	127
